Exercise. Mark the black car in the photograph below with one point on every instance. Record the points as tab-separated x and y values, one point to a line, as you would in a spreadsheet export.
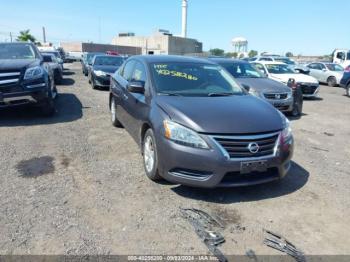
58	57
196	126
25	78
53	63
345	82
102	67
276	93
86	62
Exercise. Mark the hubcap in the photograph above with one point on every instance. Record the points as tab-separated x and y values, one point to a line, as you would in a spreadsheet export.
113	110
149	154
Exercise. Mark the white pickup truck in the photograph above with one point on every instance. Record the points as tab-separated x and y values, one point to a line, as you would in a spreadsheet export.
341	57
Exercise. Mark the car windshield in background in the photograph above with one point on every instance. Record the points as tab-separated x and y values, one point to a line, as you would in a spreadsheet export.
285	60
279	69
90	56
242	70
188	79
348	56
335	67
11	51
56	54
109	60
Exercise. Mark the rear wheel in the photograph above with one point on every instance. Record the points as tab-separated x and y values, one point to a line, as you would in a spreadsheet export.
115	120
331	81
150	156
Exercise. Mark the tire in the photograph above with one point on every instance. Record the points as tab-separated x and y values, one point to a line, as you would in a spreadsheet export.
332	81
48	108
113	109
93	85
149	149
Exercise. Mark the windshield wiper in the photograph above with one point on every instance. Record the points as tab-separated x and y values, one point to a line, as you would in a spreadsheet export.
220	94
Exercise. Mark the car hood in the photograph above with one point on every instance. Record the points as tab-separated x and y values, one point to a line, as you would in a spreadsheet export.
106	68
18	64
300	78
222	115
264	85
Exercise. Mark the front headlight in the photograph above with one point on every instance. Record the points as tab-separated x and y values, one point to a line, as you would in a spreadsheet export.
33	73
100	73
183	135
287	131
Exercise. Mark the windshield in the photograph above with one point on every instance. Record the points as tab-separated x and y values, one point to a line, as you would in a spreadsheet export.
335	67
242	70
90	57
109	60
285	60
56	54
348	56
279	69
193	79
17	51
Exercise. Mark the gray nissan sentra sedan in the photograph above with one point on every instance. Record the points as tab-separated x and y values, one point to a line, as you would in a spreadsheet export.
196	126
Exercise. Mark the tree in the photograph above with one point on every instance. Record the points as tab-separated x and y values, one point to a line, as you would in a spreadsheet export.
217	52
289	54
231	54
25	36
252	53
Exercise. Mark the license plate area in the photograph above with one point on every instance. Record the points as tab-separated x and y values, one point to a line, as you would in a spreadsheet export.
253	166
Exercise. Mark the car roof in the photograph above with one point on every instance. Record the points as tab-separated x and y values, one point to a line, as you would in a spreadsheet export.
171	59
228	61
107	56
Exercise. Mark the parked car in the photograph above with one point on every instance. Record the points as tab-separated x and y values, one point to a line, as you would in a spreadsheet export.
276	93
58	57
196	126
329	73
51	60
345	82
282	73
86	62
103	66
25	78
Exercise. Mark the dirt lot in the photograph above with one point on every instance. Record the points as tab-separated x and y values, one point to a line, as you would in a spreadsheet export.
73	184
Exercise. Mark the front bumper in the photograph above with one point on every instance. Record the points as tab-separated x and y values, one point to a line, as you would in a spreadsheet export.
283	105
103	81
212	168
309	89
28	92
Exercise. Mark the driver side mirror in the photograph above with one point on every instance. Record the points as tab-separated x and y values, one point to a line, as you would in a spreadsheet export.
136	87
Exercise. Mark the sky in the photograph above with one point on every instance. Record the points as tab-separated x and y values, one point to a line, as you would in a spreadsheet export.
278	26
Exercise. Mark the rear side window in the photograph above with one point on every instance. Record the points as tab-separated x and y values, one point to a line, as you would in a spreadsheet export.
128	70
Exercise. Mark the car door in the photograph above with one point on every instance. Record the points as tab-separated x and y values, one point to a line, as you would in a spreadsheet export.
119	84
136	104
314	70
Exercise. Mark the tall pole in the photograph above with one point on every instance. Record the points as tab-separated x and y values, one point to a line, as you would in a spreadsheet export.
184	18
44	34
11	36
99	29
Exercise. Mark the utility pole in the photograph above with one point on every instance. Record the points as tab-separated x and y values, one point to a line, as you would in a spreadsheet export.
99	29
11	36
44	34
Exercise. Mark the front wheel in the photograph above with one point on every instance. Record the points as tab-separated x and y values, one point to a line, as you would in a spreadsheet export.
331	81
150	156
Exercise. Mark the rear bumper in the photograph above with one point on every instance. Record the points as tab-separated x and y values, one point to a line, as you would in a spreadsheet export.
211	168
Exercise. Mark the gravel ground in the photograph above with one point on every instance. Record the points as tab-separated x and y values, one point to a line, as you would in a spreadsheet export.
73	184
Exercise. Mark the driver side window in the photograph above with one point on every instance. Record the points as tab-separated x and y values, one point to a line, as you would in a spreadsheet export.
128	70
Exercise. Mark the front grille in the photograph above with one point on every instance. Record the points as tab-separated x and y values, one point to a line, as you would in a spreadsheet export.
308	89
9	77
241	146
282	108
273	96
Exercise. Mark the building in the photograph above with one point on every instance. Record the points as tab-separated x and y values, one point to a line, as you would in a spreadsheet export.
162	42
80	47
